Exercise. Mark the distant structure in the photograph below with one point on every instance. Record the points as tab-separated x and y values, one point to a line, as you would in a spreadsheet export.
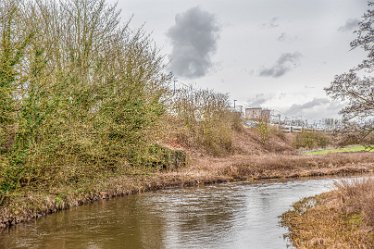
265	115
253	113
239	108
257	114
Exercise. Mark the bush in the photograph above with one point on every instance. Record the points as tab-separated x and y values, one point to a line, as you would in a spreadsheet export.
206	120
164	158
310	140
81	95
264	132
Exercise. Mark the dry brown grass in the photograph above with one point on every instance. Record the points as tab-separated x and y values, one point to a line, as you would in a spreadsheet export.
358	197
248	141
245	141
343	218
318	222
273	165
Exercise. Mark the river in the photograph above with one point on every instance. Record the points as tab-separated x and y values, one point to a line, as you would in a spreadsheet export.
233	215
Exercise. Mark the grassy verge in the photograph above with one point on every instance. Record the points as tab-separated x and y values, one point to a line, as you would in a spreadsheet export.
343	218
27	204
347	149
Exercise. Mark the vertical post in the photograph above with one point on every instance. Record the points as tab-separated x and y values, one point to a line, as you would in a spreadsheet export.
234	104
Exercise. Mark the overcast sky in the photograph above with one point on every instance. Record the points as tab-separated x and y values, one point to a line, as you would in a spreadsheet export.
277	54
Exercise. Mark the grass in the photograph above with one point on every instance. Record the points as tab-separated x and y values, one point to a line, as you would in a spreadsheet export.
273	165
347	149
348	218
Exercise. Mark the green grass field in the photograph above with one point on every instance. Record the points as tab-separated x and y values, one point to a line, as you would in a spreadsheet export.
351	148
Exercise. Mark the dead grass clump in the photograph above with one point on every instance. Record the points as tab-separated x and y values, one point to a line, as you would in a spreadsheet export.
358	197
248	141
325	225
348	218
272	165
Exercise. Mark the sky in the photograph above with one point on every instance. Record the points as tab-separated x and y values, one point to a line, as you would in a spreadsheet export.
276	54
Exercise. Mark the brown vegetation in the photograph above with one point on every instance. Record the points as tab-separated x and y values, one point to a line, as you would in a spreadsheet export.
358	197
286	166
348	218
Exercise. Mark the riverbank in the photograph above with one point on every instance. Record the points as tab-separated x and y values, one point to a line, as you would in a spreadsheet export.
348	218
28	204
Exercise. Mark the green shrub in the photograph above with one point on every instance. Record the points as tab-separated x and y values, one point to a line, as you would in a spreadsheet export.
310	140
77	107
164	158
264	132
206	120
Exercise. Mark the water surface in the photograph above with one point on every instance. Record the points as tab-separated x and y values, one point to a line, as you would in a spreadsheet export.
234	215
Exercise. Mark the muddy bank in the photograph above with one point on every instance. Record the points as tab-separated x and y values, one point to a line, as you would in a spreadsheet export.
29	204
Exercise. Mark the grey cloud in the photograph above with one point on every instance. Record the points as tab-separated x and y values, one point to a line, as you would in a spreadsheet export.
309	87
284	37
317	108
282	95
258	100
194	40
349	25
296	108
272	24
284	64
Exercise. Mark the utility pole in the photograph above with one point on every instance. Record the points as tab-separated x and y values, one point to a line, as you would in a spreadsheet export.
234	104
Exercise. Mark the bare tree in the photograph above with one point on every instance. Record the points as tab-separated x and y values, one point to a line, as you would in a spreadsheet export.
356	87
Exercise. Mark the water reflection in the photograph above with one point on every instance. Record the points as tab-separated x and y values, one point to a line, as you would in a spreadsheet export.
202	217
222	216
125	223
